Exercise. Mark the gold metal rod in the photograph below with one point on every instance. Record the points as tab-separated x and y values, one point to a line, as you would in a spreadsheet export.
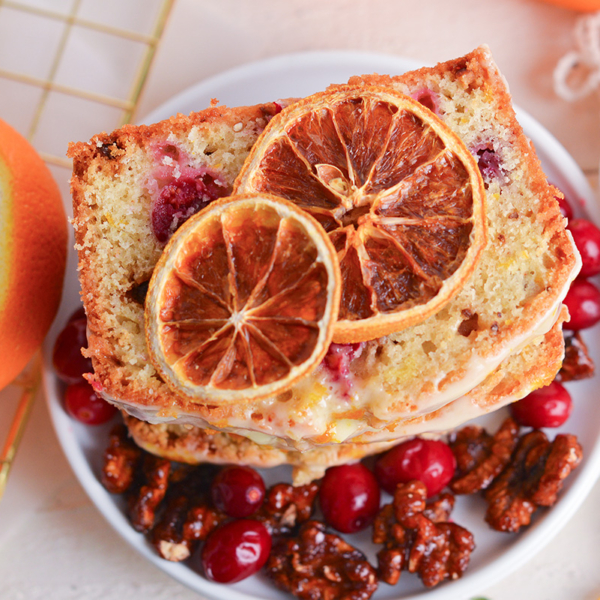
142	76
19	421
53	69
59	161
68	90
116	31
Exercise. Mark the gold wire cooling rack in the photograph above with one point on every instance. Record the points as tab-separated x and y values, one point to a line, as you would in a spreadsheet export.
72	18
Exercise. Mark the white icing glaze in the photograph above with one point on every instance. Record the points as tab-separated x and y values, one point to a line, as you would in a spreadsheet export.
317	415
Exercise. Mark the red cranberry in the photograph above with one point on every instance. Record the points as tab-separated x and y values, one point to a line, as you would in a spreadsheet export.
235	551
565	207
429	461
69	363
583	302
83	404
587	239
238	491
549	406
349	497
78	315
180	199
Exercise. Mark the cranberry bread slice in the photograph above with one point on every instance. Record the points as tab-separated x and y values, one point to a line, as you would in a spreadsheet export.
512	299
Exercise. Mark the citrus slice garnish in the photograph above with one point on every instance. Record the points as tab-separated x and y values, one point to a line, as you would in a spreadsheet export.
243	300
397	191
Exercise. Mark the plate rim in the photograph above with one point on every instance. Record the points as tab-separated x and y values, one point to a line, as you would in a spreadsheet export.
529	542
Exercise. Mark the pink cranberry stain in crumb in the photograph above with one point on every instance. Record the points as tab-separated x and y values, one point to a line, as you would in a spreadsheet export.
179	190
337	363
488	162
428	99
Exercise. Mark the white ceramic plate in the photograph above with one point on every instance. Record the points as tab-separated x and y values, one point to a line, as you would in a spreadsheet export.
497	554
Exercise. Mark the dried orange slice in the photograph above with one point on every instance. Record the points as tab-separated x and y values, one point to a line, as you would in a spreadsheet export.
398	192
243	300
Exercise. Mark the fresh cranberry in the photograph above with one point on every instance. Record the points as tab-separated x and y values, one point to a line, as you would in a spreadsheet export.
429	461
238	491
78	315
236	550
583	302
587	239
69	363
83	404
180	199
565	207
549	406
349	497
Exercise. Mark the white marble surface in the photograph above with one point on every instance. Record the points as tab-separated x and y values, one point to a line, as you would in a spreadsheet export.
53	543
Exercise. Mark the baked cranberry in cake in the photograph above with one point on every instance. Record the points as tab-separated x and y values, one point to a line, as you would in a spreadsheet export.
179	190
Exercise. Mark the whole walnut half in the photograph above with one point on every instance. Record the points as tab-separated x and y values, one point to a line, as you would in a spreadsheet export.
532	478
188	517
286	506
122	459
317	565
144	500
415	541
578	363
480	456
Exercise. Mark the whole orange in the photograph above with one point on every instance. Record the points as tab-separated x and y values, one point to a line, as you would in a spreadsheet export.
33	251
581	5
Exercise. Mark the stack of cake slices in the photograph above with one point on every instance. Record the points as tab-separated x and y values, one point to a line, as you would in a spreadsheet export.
497	339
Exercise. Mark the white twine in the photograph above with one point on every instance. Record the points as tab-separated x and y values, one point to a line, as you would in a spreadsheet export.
587	37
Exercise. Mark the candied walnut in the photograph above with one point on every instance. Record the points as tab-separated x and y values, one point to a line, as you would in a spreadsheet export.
121	459
439	509
533	478
577	363
413	542
480	456
189	516
318	565
144	502
286	506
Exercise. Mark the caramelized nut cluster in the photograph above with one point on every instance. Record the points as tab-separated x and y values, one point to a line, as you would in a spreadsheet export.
480	456
533	478
417	540
577	363
171	503
319	565
121	460
188	517
286	506
517	473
